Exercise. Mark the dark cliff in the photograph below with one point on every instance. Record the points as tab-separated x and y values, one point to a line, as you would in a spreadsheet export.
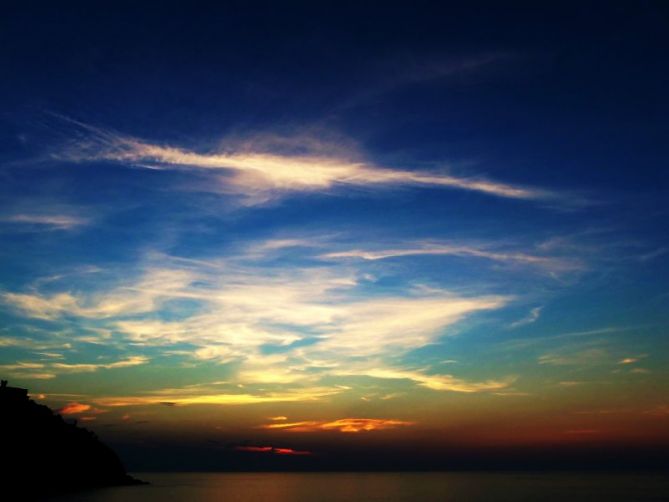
42	454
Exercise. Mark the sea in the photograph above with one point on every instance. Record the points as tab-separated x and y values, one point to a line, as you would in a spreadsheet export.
386	487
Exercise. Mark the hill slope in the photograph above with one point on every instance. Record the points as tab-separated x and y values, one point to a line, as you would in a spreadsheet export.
42	454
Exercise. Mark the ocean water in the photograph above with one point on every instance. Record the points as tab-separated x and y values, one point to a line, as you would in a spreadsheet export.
386	487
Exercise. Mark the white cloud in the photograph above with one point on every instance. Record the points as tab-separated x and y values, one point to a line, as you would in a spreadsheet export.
92	367
437	382
255	171
20	365
391	324
40	306
549	263
241	310
48	370
530	318
280	326
136	298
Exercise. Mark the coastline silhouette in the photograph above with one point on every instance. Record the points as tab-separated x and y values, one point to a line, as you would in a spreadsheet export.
44	455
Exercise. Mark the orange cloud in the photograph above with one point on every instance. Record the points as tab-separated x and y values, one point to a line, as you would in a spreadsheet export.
341	425
74	408
271	449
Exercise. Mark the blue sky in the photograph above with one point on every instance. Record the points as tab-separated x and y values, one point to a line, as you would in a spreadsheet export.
349	207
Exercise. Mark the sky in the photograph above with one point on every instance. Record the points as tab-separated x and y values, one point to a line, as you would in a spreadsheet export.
332	231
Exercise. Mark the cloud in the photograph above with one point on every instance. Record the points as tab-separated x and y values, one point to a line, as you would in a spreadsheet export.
579	337
651	255
49	370
271	449
632	360
372	326
438	382
143	296
296	395
51	355
245	309
36	375
252	170
570	383
22	365
74	408
533	316
47	221
342	425
280	328
90	368
400	71
572	358
27	370
40	307
553	264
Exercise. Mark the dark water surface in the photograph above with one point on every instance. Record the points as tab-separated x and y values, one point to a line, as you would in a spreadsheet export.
387	487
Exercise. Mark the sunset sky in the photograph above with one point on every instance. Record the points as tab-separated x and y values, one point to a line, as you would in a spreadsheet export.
294	229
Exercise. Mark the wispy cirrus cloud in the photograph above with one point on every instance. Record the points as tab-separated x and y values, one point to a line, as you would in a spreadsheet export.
404	70
243	308
47	370
256	172
46	220
282	326
572	357
240	398
135	298
437	382
27	370
550	263
90	367
530	318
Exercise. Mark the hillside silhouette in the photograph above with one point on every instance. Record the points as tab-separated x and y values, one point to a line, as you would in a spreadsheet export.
42	454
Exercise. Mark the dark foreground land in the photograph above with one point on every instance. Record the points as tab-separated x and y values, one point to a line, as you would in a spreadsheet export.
44	455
